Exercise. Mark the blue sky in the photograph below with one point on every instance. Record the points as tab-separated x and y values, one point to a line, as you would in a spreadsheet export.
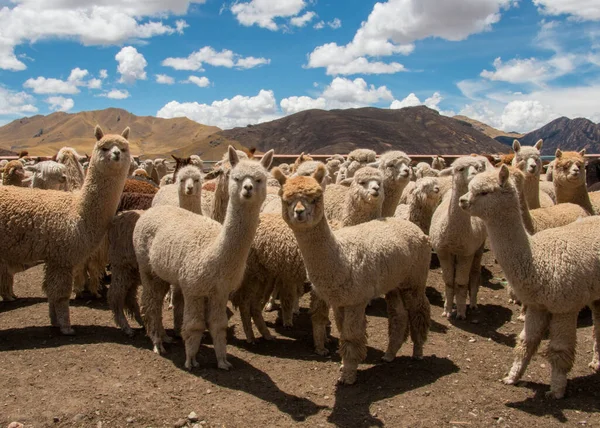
514	64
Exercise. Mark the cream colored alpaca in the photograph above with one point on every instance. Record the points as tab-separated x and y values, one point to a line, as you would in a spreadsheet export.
533	169
458	240
555	273
569	180
395	166
63	228
354	264
205	259
422	203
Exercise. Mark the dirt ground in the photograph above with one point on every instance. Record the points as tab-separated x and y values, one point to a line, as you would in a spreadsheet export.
101	378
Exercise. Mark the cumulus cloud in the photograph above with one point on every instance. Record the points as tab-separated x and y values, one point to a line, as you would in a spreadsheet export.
207	55
202	82
393	27
228	113
531	70
164	79
16	103
295	104
363	66
103	74
131	66
116	94
76	79
60	103
264	12
412	100
302	20
581	9
110	22
335	24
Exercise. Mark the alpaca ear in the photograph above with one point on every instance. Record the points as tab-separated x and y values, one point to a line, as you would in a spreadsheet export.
558	154
98	132
582	152
125	133
503	175
374	165
251	152
516	146
346	182
176	158
319	173
539	144
267	159
279	176
233	156
446	172
213	174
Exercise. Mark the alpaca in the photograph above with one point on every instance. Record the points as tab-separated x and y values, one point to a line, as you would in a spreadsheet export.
422	202
63	228
203	258
299	160
438	163
185	193
13	174
135	201
354	264
160	165
533	170
555	273
75	175
569	180
133	185
47	175
458	240
395	166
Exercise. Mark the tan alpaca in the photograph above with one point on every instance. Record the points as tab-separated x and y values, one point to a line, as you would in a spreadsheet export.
202	257
352	265
555	273
569	180
63	228
532	169
422	202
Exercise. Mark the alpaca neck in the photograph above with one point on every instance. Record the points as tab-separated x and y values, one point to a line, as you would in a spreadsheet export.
511	244
532	191
392	194
459	218
98	201
525	214
192	203
576	195
221	198
356	211
420	213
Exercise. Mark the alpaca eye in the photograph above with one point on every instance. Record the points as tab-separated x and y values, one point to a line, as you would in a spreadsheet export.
105	149
484	193
461	169
124	150
258	180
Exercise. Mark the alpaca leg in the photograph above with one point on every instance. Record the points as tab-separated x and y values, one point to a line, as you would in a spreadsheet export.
6	284
131	302
595	364
169	297
194	324
58	285
319	316
419	318
475	278
247	321
153	294
353	341
259	321
561	351
79	280
536	324
177	301
287	298
397	324
461	281
217	324
299	294
117	297
447	263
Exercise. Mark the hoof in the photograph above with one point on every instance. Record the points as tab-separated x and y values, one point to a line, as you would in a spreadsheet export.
508	380
347	379
322	352
224	365
190	364
167	339
447	314
9	298
473	307
461	317
269	338
67	331
555	395
159	349
388	358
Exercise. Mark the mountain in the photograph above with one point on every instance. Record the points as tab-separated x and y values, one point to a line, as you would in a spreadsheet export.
501	136
415	130
566	134
4	152
150	136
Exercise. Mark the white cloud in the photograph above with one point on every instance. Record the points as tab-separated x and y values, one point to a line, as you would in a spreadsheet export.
393	27
109	22
164	79
526	115
16	103
301	21
581	9
131	66
60	103
264	12
228	113
43	85
116	94
363	66
207	55
319	25
294	104
412	100
335	24
532	70
202	82
103	74
180	25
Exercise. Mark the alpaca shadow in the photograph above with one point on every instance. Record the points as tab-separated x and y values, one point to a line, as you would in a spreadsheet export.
378	306
247	378
21	302
381	382
582	395
486	321
88	301
435	297
585	318
488	280
434	263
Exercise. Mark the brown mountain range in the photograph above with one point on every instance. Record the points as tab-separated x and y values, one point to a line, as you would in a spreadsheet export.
150	136
415	130
566	134
488	130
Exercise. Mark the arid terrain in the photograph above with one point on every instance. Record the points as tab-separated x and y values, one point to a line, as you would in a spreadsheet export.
101	378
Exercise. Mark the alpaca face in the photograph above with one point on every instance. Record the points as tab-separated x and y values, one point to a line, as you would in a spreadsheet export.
428	190
395	167
190	181
248	178
489	194
466	168
303	211
369	181
569	169
111	153
533	161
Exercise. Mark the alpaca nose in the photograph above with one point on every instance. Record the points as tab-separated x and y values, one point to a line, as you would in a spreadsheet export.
463	202
116	154
436	189
248	187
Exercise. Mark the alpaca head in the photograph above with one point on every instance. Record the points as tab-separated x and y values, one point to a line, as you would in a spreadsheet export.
196	161
13	172
490	194
531	156
438	163
301	198
111	152
395	166
465	168
569	169
306	169
248	178
367	185
189	181
518	176
427	190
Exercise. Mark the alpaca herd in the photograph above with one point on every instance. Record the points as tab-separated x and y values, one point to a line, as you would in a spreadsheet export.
354	228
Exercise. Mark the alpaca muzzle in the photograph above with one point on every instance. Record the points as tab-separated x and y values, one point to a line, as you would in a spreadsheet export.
464	203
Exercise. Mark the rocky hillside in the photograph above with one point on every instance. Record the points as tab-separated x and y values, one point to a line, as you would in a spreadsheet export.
150	136
566	134
416	130
498	135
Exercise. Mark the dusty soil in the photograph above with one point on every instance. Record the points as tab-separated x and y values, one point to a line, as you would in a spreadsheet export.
100	378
